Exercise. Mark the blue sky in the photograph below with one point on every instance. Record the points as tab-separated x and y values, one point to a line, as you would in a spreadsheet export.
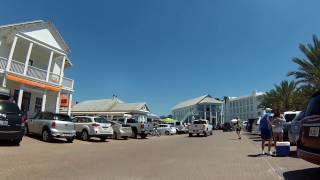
163	52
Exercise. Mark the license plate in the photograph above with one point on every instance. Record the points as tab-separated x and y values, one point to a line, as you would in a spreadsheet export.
3	123
314	131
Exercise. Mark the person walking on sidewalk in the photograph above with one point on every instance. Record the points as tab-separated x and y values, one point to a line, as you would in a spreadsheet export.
277	127
238	127
265	129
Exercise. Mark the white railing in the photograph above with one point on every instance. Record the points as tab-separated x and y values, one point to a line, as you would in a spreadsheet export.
54	78
3	63
37	73
17	67
68	83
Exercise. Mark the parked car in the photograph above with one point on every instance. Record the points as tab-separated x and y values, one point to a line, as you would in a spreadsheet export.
180	127
227	126
294	128
138	127
308	145
92	126
12	122
288	116
121	130
200	127
166	129
51	125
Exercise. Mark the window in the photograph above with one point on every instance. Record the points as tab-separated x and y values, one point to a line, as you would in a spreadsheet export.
6	107
38	104
100	120
60	117
313	106
131	120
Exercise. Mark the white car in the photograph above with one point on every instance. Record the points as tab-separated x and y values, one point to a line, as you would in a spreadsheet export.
166	129
201	126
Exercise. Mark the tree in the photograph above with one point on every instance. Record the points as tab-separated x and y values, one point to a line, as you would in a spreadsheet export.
281	97
308	73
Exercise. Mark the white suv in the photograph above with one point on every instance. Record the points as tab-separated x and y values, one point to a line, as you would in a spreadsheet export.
92	126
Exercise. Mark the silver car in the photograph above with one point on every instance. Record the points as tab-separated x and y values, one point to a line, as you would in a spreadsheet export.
121	130
51	125
92	126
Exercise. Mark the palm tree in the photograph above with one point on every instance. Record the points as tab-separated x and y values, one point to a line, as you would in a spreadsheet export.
308	73
281	97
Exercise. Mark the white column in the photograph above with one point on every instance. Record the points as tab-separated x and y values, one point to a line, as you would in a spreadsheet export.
58	103
27	59
11	52
210	116
44	99
62	69
20	96
49	66
205	111
69	104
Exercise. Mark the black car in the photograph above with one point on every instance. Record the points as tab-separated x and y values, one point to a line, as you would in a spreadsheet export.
227	127
11	119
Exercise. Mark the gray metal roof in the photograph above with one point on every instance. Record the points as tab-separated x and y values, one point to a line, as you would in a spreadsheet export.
198	100
108	105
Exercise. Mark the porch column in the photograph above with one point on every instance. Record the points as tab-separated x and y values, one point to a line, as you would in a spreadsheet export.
44	99
13	46
27	58
20	96
62	69
205	111
49	66
69	104
58	103
210	114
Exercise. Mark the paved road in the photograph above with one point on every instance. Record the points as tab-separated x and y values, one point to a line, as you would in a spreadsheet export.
220	156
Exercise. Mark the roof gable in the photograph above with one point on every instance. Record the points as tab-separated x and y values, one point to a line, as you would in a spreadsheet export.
43	31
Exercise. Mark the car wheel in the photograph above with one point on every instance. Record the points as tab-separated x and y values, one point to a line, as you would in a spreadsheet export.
143	136
198	134
167	133
85	135
115	136
46	136
125	138
205	134
16	142
103	138
134	134
211	133
70	140
190	134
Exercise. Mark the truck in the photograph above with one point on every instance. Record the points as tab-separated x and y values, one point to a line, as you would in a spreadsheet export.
200	126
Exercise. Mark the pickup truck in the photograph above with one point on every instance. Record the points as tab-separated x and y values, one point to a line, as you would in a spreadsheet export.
200	127
138	127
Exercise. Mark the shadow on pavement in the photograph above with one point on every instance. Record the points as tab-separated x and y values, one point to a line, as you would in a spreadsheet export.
37	137
7	144
307	174
255	155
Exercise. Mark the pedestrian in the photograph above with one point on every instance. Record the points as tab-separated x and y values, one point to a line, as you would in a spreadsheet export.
265	129
238	127
277	127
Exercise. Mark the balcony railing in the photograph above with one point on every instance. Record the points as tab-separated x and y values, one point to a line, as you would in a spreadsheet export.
36	73
17	67
68	83
3	63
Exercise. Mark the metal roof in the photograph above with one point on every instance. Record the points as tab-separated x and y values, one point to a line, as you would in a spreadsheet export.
198	100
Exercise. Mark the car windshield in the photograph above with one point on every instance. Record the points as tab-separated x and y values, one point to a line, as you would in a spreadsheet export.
8	107
199	122
289	117
62	117
100	120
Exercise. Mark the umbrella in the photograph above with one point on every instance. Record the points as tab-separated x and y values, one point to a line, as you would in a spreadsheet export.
168	120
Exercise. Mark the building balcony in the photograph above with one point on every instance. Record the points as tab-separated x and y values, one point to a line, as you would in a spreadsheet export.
35	73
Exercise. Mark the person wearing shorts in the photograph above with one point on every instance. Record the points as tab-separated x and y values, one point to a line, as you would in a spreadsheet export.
266	133
238	127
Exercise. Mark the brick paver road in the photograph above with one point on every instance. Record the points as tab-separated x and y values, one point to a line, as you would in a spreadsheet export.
220	156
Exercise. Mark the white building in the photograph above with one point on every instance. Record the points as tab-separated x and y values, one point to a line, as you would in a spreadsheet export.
112	108
204	107
245	107
33	57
